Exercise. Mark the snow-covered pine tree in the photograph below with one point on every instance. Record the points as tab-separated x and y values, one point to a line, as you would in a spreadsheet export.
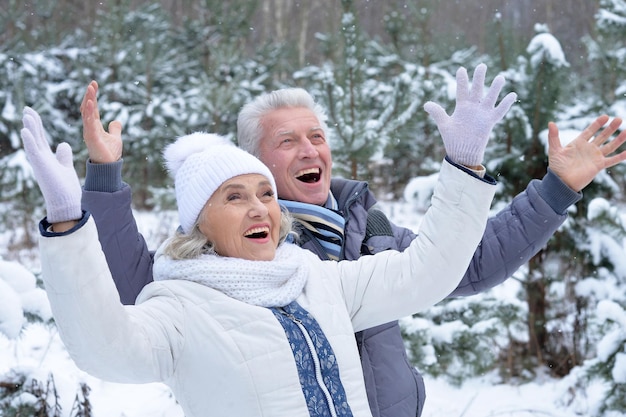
538	79
607	57
601	294
601	239
23	395
224	75
510	327
416	148
140	70
163	81
607	51
35	79
371	96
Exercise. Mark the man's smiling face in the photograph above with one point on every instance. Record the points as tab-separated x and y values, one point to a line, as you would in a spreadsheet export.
295	149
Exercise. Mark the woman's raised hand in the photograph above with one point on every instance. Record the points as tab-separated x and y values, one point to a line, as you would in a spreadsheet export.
54	172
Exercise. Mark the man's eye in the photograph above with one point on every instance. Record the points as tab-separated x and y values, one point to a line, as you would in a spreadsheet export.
232	197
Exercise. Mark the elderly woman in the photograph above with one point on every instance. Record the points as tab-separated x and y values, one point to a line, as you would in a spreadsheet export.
240	322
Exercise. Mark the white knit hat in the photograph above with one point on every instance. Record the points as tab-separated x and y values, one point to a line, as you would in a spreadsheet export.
200	163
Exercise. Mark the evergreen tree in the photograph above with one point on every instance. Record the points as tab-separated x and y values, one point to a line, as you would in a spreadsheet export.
23	395
19	190
607	51
35	79
601	295
418	45
600	232
607	57
371	96
140	70
558	315
466	337
517	159
537	80
162	82
425	62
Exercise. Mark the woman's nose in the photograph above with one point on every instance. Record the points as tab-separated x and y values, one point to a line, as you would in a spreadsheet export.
258	208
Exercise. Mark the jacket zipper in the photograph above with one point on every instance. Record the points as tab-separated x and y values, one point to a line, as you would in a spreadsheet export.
316	363
355	194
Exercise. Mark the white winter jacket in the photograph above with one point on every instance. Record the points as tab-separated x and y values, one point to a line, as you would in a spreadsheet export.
222	357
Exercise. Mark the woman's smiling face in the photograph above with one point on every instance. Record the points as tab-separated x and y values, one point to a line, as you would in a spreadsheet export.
242	218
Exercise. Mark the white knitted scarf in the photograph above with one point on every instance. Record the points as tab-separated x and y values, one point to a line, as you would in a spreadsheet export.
273	283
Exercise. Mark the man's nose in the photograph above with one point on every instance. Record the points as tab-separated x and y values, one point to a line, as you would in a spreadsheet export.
307	149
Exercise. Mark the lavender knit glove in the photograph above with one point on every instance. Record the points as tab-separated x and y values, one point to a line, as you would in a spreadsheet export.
55	174
466	132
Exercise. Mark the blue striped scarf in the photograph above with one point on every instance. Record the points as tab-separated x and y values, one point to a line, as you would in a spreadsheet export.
324	222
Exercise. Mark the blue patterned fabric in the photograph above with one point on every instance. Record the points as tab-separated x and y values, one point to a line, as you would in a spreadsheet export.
325	223
289	317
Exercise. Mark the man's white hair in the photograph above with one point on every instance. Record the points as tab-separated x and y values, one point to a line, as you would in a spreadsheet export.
249	129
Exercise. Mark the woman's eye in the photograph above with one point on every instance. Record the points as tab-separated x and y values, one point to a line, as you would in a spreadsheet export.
267	194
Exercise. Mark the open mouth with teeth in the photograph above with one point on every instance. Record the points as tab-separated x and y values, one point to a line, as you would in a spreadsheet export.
310	175
258	233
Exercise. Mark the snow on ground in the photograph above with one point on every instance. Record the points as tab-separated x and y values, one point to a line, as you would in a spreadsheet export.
39	351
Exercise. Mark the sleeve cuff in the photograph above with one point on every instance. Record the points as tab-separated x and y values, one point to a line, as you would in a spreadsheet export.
481	175
104	177
45	227
556	193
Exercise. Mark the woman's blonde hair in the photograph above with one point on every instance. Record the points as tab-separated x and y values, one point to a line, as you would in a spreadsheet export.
192	245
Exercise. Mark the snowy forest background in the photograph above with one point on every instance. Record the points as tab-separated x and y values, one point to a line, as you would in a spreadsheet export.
172	67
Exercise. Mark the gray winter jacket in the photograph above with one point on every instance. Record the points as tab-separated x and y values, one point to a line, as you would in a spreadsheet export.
394	387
